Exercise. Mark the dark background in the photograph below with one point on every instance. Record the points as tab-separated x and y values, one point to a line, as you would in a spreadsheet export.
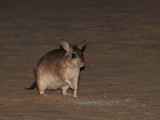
122	76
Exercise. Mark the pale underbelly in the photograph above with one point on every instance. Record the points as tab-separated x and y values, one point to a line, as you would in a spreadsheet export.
55	84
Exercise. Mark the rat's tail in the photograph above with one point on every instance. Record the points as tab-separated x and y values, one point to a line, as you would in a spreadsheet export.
32	86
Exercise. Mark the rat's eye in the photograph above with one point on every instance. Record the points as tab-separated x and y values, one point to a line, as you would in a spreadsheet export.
74	55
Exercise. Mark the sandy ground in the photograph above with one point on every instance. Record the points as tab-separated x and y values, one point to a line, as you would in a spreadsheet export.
122	76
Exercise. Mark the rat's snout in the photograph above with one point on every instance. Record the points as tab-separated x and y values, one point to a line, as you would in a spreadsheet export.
81	63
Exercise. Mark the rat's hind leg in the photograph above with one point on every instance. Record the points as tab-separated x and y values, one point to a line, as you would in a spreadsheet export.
42	86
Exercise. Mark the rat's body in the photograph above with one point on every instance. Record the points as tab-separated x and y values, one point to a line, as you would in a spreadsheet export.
59	68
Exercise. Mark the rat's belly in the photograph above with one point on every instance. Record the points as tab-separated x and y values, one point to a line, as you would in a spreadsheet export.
55	83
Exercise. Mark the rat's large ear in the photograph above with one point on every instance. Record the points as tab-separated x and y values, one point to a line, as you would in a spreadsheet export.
82	45
66	46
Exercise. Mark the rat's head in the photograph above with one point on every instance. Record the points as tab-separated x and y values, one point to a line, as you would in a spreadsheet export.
74	54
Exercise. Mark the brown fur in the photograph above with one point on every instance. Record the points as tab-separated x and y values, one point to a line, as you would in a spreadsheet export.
60	68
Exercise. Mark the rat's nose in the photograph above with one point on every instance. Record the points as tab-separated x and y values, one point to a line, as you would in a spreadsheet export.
81	63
